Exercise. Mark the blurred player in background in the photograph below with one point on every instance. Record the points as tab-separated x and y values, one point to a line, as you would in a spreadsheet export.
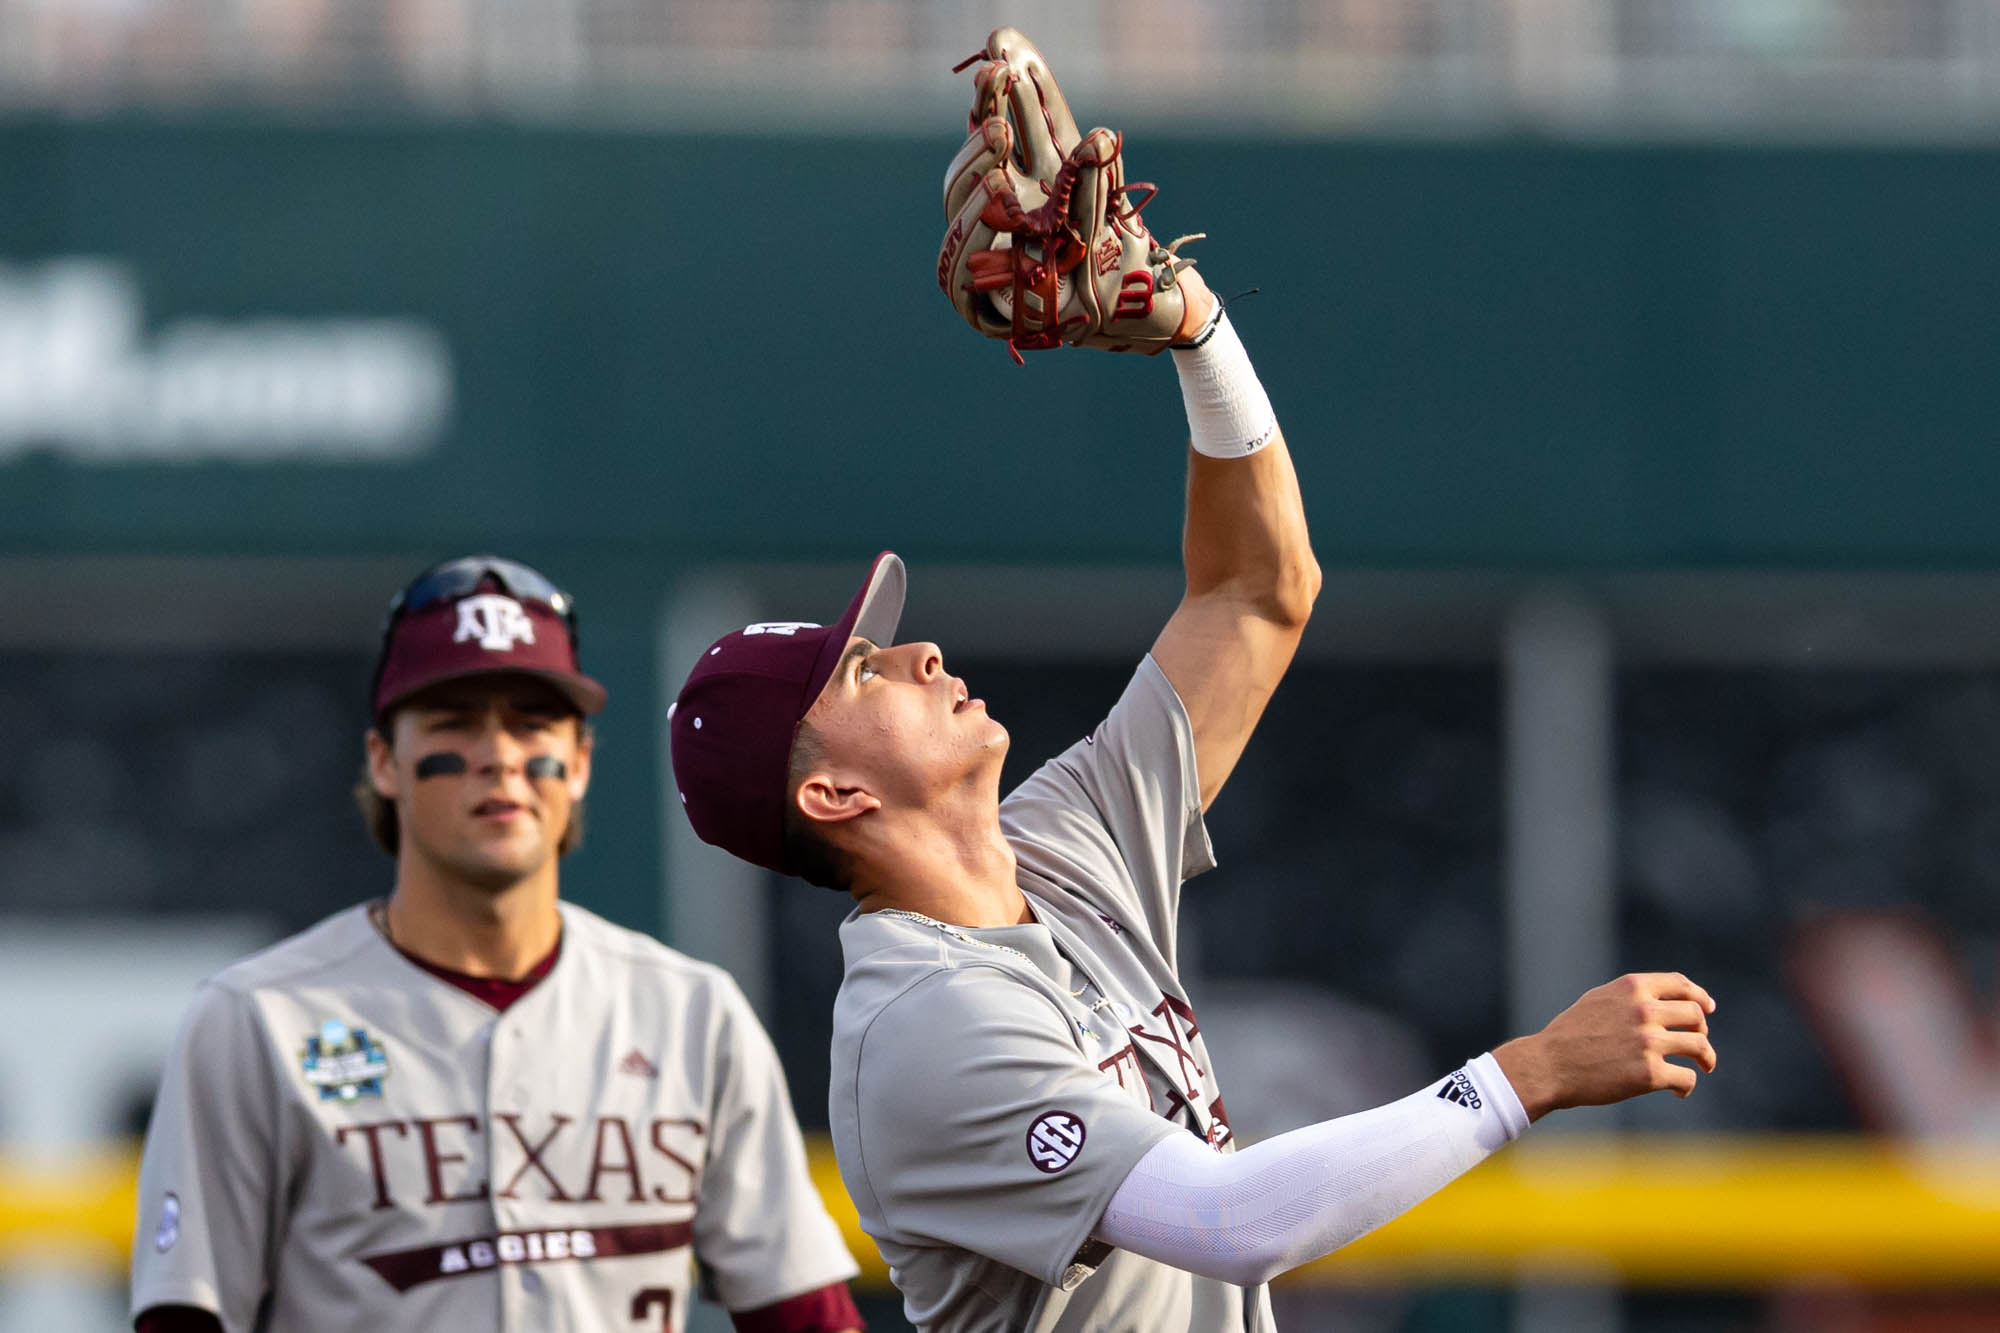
468	1104
1025	1110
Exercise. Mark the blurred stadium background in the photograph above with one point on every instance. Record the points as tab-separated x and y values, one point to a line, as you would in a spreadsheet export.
1639	358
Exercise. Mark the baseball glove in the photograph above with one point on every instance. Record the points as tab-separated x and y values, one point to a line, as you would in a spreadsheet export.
1044	246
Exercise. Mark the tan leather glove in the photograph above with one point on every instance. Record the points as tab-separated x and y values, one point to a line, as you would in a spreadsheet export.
1044	245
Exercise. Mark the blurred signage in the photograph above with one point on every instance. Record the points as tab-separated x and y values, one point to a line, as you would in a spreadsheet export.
83	379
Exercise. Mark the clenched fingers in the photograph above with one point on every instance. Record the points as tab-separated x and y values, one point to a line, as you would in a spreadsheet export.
1675	986
1694	1045
1677	1079
1677	1014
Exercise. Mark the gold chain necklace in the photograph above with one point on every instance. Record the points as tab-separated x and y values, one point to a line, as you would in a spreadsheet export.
952	931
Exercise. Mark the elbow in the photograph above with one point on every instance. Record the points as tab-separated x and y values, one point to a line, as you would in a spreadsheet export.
1280	595
1293	589
1247	1271
1254	1266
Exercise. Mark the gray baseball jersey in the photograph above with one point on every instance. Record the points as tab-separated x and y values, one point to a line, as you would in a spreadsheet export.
343	1141
993	1088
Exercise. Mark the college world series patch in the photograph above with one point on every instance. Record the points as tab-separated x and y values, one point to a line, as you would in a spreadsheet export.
344	1063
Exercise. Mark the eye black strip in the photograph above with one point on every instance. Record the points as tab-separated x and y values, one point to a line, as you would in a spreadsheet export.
443	764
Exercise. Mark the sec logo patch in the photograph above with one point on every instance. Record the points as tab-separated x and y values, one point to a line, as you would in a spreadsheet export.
169	1229
1054	1141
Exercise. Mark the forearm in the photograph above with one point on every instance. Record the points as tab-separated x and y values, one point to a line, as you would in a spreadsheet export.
1248	1216
1246	537
1246	527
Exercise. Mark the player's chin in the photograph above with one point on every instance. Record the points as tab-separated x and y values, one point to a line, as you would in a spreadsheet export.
500	865
988	750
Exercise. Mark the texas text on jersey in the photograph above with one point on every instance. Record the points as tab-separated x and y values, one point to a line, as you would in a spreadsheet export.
546	1167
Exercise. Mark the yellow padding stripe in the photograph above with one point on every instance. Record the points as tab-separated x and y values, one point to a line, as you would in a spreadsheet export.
1652	1211
78	1208
1667	1212
1697	1212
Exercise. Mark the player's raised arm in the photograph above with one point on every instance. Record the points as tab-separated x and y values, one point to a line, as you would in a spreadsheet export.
1046	248
1251	576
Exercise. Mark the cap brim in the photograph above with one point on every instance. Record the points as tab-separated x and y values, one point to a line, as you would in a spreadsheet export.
873	614
586	695
878	608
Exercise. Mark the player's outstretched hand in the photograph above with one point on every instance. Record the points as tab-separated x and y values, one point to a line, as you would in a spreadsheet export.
1043	244
1618	1041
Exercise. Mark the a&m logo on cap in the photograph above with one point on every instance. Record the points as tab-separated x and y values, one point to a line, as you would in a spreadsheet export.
344	1064
497	622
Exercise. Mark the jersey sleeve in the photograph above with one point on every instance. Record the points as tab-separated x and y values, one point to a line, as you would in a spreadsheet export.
175	1319
1117	816
761	1231
981	1126
208	1183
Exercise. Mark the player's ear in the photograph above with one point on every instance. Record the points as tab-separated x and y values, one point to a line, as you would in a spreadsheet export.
579	769
824	801
381	765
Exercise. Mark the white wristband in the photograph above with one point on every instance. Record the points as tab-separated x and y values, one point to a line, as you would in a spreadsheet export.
1228	414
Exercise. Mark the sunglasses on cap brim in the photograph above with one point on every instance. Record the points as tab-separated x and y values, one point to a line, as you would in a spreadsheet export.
456	579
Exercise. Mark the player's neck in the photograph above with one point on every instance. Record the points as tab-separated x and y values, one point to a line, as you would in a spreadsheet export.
472	929
960	874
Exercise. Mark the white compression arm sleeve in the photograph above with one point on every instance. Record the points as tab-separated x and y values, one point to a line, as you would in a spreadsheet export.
1248	1216
1229	414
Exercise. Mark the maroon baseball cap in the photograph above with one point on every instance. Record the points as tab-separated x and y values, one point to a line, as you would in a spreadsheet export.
733	724
480	615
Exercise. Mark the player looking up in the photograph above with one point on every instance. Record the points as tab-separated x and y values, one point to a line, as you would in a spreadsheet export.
469	1104
1025	1110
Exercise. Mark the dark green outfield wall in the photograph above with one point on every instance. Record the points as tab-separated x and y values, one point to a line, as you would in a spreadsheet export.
669	350
1509	354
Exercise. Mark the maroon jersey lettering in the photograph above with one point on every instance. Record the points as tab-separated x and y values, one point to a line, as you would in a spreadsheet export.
533	1152
662	1130
1171	1009
626	1165
435	1159
373	1133
1124	1066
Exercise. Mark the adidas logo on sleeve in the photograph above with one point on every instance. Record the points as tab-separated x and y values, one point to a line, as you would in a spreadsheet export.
1459	1090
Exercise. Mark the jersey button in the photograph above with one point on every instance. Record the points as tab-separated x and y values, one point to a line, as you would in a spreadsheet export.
531	1281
